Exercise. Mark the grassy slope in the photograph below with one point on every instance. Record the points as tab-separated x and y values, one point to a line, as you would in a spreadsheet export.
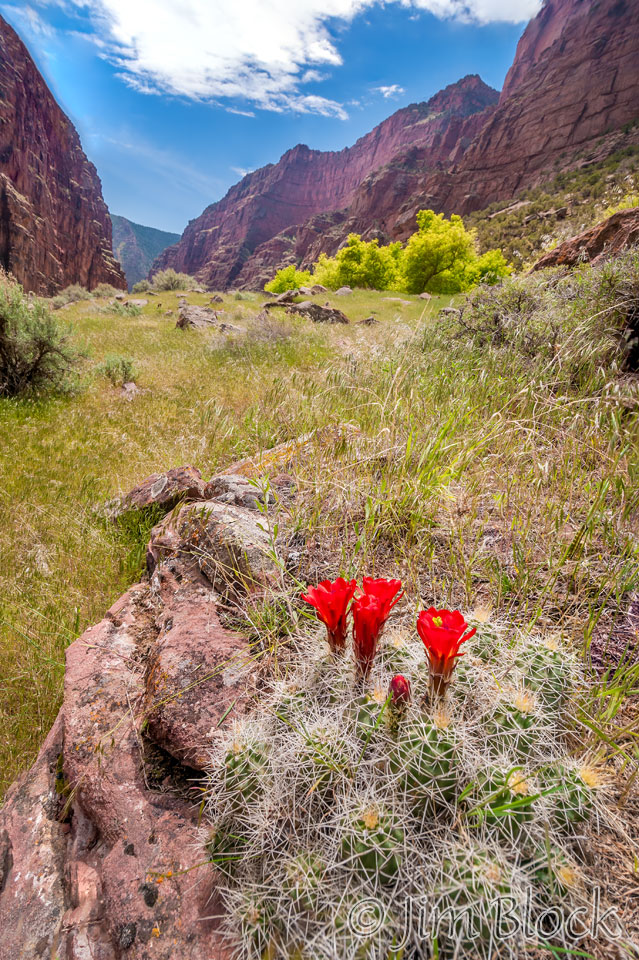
582	197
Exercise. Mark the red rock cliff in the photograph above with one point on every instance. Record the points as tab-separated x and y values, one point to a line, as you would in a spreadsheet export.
306	182
573	81
55	228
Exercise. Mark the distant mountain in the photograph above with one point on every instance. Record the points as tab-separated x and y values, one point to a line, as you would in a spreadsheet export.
570	99
219	245
136	247
54	225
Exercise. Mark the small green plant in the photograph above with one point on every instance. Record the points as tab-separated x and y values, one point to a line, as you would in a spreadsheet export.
118	369
372	843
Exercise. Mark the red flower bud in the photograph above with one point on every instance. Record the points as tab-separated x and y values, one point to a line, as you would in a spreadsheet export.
399	690
331	600
441	632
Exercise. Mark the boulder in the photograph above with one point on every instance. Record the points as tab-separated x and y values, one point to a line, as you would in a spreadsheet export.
190	315
619	231
163	490
403	302
343	292
230	544
317	313
318	288
217	299
425	296
287	297
307	291
367	322
134	302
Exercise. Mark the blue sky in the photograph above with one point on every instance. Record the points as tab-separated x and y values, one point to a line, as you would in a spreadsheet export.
175	99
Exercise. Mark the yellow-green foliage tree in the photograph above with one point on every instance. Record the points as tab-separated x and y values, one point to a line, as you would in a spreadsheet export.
441	257
288	278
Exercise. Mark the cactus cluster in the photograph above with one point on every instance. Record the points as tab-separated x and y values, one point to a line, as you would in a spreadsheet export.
338	790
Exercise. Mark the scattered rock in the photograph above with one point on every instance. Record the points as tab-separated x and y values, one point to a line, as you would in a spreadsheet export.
135	303
130	390
193	316
318	288
425	296
217	299
287	297
343	292
164	490
120	296
317	313
404	303
619	231
230	328
306	291
367	322
450	311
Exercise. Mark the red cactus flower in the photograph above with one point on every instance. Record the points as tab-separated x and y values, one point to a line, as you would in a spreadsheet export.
399	691
385	591
368	621
442	635
331	600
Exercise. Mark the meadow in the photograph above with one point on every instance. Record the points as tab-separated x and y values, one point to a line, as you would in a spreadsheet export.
493	464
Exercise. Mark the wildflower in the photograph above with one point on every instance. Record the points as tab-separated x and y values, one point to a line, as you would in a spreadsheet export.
331	600
385	591
442	632
368	621
399	690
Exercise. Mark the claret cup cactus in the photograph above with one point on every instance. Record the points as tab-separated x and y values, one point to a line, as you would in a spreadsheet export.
353	779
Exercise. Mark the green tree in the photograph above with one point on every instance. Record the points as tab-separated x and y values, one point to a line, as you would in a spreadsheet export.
437	257
288	278
364	263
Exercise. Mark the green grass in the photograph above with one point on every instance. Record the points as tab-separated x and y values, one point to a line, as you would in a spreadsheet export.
490	469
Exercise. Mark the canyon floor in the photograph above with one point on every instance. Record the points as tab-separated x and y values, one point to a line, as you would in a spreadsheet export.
485	449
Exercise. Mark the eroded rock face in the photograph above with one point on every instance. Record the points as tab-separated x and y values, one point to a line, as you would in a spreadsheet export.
619	231
317	313
101	857
160	491
55	228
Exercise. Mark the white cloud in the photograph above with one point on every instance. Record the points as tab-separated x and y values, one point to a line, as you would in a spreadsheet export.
258	51
241	171
240	113
394	90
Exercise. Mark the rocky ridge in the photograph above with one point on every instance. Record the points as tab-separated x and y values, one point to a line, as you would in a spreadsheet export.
55	228
304	183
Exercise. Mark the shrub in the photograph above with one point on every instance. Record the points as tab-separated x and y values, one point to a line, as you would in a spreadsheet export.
71	294
105	290
169	279
288	278
365	264
35	355
118	369
142	286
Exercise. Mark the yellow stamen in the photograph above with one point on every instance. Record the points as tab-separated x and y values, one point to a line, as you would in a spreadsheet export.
438	622
591	777
370	819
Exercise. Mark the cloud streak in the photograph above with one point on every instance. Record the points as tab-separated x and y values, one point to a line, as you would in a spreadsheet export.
258	52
